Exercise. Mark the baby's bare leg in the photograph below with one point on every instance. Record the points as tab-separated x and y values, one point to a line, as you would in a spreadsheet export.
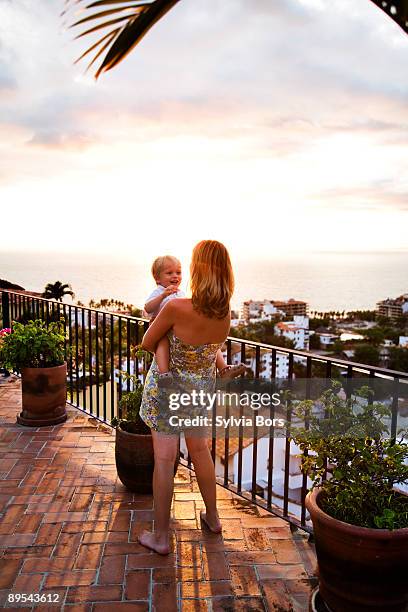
220	361
162	355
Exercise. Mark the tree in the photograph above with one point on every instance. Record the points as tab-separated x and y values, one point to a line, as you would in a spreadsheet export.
314	342
398	359
124	25
57	290
375	335
362	315
368	354
338	346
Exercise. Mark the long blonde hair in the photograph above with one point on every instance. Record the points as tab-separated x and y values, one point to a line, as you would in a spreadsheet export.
211	279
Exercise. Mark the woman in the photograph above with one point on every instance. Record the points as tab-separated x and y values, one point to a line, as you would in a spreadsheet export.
196	328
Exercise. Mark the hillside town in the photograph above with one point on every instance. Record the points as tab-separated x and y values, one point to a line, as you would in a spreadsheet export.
376	337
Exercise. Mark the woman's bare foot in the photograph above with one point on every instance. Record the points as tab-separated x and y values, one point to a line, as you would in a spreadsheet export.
148	539
213	524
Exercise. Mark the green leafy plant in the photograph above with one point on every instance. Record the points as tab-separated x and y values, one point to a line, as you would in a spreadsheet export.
129	406
350	444
33	345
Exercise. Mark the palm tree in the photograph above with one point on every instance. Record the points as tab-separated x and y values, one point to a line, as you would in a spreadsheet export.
57	290
128	21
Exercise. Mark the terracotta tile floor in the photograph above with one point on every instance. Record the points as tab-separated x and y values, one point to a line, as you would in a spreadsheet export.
68	531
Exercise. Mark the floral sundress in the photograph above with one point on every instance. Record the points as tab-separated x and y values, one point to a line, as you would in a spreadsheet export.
192	366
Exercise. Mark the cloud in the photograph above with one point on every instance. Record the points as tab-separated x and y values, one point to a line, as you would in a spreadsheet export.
57	139
270	104
377	196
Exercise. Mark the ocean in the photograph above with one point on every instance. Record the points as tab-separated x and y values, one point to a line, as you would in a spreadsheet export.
327	281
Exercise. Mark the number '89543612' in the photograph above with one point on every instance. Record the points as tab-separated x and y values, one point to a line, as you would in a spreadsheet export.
33	597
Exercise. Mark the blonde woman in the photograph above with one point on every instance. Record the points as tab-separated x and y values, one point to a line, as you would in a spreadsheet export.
196	328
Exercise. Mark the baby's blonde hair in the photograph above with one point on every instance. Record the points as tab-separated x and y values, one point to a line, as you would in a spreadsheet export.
160	262
211	279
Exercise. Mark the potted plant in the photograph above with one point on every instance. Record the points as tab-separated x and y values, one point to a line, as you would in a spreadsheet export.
134	445
37	353
360	519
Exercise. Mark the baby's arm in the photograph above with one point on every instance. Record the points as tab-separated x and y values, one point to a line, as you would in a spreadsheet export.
153	304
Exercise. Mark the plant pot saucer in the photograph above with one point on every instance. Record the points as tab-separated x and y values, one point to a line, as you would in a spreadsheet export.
316	602
41	422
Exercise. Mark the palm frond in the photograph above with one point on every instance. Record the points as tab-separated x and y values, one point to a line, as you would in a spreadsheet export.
135	17
109	35
100	26
397	10
138	16
109	12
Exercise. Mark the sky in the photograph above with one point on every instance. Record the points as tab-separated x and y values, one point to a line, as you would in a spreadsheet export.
275	126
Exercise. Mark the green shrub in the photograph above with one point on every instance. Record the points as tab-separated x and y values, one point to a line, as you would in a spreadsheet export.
129	406
33	345
364	464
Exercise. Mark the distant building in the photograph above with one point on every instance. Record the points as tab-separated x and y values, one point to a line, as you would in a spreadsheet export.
327	339
384	356
393	308
269	309
237	322
292	307
403	341
296	330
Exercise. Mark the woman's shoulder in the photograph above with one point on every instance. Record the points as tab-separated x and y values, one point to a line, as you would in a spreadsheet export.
182	302
179	304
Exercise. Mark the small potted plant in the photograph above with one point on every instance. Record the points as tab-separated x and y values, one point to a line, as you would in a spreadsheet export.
37	353
134	445
360	520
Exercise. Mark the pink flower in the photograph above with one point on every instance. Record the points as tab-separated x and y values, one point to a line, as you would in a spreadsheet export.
5	331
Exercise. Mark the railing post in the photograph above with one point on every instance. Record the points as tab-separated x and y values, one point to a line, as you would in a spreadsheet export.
5	307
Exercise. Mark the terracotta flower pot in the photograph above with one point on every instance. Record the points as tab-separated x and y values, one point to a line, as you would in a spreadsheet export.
135	460
44	394
360	569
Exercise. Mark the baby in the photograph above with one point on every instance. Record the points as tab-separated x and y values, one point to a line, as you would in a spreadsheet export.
166	271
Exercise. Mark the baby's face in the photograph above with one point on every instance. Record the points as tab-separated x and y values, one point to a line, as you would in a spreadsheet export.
170	275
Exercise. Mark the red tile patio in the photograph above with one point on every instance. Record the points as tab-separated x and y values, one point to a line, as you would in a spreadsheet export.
68	531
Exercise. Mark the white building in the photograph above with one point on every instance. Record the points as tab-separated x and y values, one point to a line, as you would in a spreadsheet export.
327	339
403	341
237	322
254	309
296	330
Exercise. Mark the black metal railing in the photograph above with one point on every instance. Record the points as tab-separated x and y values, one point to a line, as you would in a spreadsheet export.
102	346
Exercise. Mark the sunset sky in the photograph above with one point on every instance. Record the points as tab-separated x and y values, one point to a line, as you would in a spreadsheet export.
273	125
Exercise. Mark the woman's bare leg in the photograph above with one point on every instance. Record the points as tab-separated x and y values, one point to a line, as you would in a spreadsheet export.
165	451
205	473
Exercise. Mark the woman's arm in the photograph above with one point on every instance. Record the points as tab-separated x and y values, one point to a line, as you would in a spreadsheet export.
160	326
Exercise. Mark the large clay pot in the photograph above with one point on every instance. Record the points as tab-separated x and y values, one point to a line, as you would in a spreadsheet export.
360	569
135	458
44	394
